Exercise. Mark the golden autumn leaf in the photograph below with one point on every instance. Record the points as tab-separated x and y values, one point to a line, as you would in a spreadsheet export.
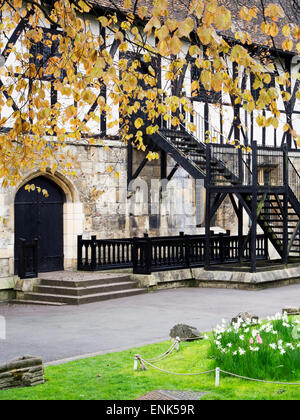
286	31
222	19
84	6
127	4
287	45
274	11
142	12
204	35
175	45
186	27
138	123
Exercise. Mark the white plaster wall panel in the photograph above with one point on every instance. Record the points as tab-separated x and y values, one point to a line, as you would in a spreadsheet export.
227	121
93	24
65	101
214	121
269	132
199	120
243	125
257	131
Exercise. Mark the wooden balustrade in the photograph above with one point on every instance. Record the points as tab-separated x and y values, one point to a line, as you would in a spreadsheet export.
149	254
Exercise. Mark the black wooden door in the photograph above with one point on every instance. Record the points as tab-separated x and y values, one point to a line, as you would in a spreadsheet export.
37	216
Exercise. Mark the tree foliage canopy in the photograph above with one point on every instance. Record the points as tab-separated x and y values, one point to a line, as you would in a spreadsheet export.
137	38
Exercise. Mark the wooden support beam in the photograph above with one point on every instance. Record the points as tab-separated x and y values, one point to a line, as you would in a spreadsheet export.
244	204
163	165
129	162
240	231
217	203
261	204
207	250
172	173
285	218
254	208
293	237
140	168
235	207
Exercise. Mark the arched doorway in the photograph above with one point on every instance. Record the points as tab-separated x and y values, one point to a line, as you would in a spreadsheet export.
37	216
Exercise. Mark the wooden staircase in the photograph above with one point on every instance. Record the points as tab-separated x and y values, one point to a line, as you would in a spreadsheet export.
191	154
76	288
271	220
275	203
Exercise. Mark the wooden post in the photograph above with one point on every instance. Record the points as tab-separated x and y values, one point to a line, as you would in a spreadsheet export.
129	162
148	254
163	165
285	216
240	232
79	252
289	119
221	249
254	208
207	250
187	246
241	166
266	245
135	255
217	379
93	253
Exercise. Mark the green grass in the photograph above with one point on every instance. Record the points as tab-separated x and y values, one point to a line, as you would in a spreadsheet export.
118	381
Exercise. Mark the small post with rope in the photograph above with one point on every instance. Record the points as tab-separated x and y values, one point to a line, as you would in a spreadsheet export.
217	381
136	362
177	341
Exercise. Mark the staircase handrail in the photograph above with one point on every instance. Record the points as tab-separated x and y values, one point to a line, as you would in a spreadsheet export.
295	190
208	122
160	133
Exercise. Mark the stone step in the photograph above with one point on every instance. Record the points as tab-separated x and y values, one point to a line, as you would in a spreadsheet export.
82	291
34	302
77	300
95	280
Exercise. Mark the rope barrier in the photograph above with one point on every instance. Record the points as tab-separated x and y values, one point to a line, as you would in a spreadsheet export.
260	380
166	353
177	373
144	362
175	345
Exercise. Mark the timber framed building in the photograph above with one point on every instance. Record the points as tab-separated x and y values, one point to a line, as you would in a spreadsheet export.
255	195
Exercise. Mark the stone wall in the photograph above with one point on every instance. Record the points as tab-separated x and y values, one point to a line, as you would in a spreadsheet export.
21	372
98	202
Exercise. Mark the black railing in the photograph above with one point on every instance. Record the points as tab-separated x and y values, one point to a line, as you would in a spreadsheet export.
146	255
27	259
98	254
293	179
188	251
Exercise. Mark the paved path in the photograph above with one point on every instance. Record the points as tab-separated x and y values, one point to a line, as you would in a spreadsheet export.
62	332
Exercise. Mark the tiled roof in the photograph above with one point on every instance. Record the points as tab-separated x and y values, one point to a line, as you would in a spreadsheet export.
178	9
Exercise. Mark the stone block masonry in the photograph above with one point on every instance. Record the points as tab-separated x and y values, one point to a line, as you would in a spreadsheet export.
21	372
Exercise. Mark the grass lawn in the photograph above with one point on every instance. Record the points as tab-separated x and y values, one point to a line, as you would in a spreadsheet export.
111	377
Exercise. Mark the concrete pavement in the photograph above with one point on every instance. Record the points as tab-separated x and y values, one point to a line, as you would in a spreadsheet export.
68	331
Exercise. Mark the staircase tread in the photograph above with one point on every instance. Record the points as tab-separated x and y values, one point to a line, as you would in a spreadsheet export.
78	276
87	287
85	296
36	302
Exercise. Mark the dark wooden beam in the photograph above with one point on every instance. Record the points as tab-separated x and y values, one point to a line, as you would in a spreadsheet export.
173	171
163	165
254	208
217	203
140	168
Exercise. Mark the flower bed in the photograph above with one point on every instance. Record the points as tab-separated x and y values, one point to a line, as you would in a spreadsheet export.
268	350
